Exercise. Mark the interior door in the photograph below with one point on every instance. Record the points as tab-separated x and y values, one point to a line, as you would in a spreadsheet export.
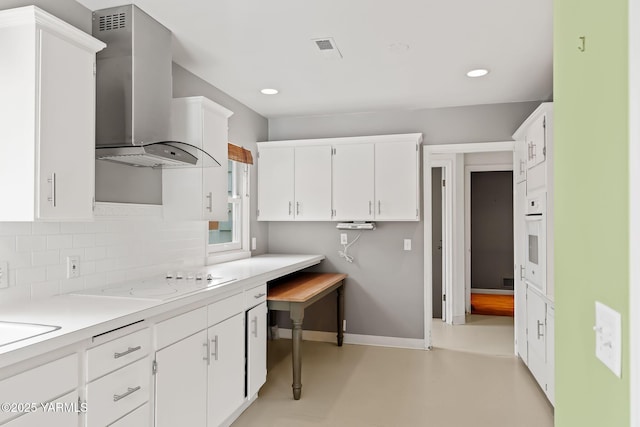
444	247
436	240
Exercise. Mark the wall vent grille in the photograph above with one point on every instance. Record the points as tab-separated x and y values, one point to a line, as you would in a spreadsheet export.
115	21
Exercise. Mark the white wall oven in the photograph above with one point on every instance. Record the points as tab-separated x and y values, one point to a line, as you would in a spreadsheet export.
536	242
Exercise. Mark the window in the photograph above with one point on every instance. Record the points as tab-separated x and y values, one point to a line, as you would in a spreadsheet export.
232	235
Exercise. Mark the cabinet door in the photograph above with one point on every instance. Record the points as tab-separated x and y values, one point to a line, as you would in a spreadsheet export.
536	315
275	184
537	141
256	348
353	182
138	418
396	181
551	379
519	235
66	135
313	183
181	383
226	371
215	179
520	161
50	418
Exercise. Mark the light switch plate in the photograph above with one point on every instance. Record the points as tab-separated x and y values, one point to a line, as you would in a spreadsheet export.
4	274
608	337
407	244
73	267
254	244
343	238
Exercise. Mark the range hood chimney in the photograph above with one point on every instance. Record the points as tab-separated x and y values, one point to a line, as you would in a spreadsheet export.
134	91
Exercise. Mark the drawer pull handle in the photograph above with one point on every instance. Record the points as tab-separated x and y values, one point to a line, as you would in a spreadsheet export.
124	353
129	391
540	334
260	295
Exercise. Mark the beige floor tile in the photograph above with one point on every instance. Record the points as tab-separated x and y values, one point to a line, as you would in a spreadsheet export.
363	386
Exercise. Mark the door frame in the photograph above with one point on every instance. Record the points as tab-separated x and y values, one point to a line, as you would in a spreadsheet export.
502	167
634	208
452	152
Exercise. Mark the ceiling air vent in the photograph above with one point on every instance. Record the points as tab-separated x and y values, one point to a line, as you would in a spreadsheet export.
327	47
113	22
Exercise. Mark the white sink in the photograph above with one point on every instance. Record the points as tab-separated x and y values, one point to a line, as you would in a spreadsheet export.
11	332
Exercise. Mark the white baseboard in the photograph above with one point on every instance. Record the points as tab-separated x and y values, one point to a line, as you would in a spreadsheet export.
492	291
412	343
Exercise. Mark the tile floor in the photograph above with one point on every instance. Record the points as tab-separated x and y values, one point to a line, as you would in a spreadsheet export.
456	384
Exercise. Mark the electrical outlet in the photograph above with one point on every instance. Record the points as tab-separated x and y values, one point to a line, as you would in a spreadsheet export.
344	325
254	244
343	238
407	244
73	267
4	274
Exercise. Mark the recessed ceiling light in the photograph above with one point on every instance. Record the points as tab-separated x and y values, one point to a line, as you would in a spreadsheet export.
478	72
268	91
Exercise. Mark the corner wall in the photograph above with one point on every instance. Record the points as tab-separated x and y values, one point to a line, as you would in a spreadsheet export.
591	206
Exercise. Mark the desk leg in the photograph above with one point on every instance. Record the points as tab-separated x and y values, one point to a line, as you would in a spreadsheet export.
297	315
340	291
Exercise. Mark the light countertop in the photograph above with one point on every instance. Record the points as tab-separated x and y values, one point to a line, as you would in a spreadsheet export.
81	317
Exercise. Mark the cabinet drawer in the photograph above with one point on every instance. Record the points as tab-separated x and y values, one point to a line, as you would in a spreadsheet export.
117	353
118	393
176	328
138	418
221	310
61	377
66	416
255	296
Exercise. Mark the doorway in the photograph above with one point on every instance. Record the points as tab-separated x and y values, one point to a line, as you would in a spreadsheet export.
451	159
489	240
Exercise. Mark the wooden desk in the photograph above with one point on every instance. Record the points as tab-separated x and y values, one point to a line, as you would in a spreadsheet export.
294	296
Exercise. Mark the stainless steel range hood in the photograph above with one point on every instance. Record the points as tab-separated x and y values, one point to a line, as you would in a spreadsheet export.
134	91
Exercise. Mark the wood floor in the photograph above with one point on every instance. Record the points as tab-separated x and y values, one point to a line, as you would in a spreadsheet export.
492	305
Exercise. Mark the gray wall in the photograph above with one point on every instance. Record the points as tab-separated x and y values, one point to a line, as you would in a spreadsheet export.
384	291
491	229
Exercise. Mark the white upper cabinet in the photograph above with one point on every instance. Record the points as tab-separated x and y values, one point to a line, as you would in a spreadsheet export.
294	183
47	116
312	182
396	181
520	161
340	179
353	182
198	193
275	184
536	139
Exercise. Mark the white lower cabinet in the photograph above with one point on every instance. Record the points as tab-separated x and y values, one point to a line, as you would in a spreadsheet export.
181	383
137	418
256	348
61	412
200	376
540	345
226	369
62	379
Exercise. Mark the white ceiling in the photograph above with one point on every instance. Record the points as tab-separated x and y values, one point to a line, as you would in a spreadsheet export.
242	46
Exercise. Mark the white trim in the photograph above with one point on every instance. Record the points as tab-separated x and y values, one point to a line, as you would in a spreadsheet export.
126	211
34	15
474	147
467	221
634	209
374	340
405	137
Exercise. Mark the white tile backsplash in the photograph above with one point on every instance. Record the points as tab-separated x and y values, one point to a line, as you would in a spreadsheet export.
110	250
